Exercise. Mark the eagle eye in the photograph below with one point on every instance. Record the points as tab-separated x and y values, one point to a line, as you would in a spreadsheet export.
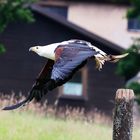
36	47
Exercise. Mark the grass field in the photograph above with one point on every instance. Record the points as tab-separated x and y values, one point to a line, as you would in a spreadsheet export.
37	122
29	126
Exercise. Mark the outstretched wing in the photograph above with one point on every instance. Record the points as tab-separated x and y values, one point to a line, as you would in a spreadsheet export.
37	91
68	59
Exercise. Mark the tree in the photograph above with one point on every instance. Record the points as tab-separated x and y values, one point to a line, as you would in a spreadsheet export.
130	66
136	87
134	11
12	11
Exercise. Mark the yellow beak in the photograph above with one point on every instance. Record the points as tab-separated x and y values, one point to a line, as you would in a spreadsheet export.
32	49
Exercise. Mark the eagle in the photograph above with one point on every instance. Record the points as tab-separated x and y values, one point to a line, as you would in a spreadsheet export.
64	59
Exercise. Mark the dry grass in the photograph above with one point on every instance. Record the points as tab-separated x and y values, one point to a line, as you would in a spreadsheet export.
21	126
69	113
41	122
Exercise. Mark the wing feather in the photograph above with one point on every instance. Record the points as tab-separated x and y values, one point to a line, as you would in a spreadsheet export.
70	58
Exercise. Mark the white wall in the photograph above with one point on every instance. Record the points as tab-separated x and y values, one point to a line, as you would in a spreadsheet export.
107	21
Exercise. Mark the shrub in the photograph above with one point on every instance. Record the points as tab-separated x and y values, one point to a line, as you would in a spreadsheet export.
130	65
14	10
136	87
134	11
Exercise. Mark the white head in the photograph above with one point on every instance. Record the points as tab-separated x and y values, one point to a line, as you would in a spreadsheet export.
44	51
37	49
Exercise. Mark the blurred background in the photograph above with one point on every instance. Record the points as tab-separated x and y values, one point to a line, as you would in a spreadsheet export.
111	25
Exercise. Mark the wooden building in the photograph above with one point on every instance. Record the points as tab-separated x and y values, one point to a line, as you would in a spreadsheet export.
19	68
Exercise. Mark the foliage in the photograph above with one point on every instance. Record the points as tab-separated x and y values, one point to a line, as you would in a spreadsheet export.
2	48
134	11
130	65
14	10
136	87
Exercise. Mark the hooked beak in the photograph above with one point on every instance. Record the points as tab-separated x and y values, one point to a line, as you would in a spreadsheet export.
32	49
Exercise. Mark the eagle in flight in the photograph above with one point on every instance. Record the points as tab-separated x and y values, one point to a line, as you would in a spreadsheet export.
64	59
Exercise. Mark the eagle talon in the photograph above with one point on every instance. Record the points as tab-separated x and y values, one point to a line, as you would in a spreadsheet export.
99	63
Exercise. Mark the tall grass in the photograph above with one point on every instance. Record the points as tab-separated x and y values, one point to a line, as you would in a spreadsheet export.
67	113
22	126
36	122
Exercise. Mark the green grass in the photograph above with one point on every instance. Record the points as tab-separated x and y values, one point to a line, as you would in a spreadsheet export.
28	126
